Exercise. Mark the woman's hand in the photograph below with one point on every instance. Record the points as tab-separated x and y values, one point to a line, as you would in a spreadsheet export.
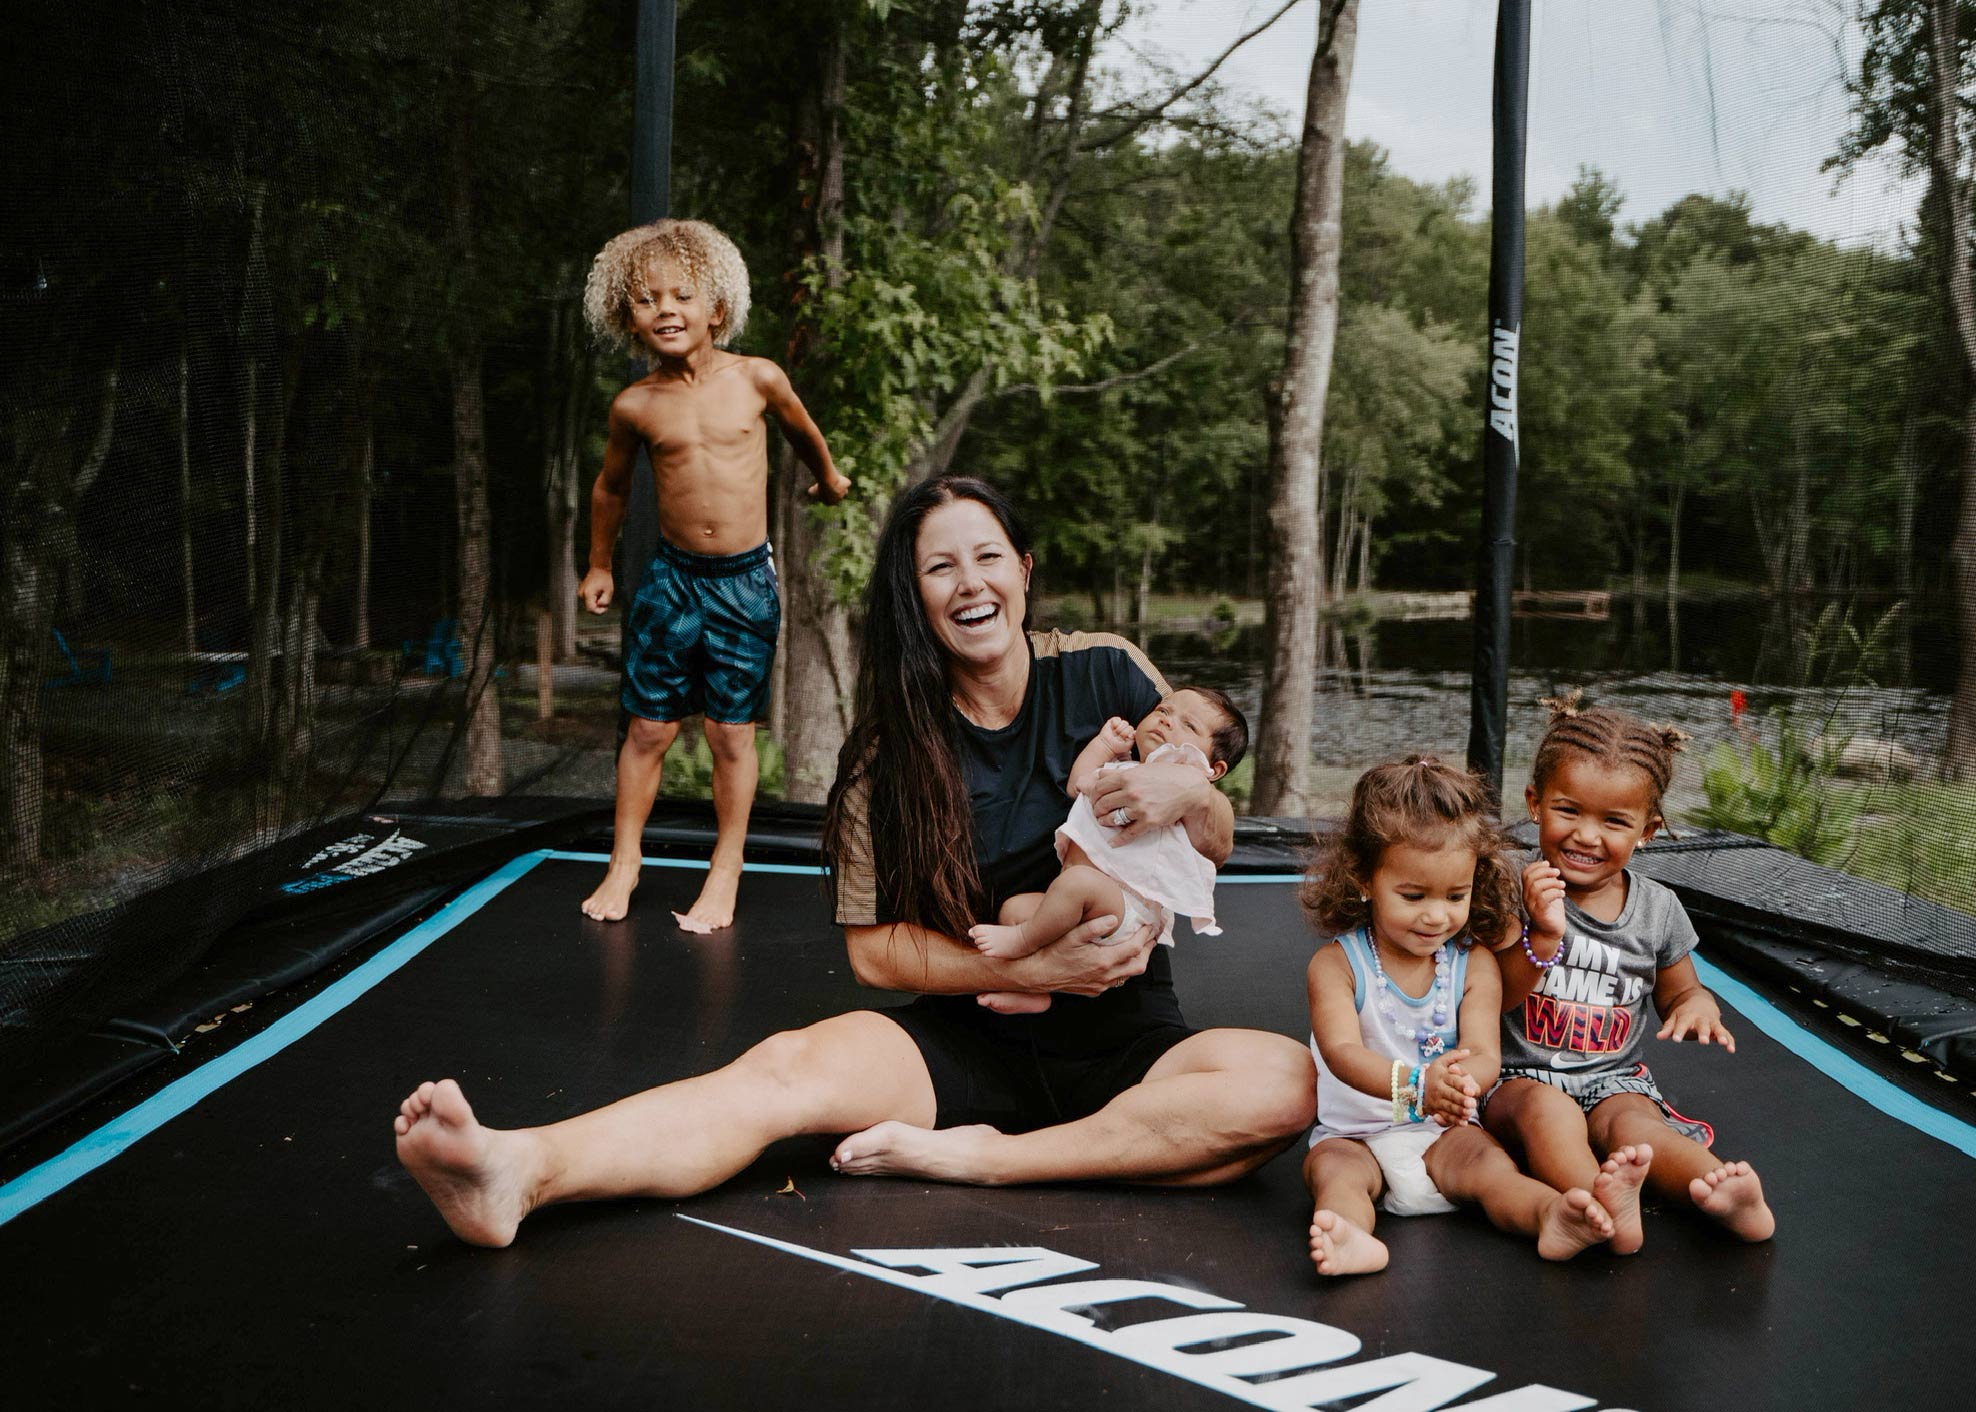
1083	962
1151	797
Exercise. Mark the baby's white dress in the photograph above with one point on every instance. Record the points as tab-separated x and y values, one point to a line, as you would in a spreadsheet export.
1160	872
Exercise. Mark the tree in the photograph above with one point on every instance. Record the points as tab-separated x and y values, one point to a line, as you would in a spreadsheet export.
1296	514
1911	93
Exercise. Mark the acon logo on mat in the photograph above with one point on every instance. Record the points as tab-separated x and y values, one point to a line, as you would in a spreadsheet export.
1305	1364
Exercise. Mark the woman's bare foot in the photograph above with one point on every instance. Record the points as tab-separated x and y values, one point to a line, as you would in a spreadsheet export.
1573	1222
992	939
476	1176
1732	1195
1013	1002
1337	1247
1618	1190
612	899
894	1149
713	909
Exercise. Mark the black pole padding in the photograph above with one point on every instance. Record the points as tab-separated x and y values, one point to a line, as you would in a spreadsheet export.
651	200
1488	720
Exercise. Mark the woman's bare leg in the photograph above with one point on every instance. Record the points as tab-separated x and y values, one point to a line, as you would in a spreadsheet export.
839	1075
1214	1107
1343	1179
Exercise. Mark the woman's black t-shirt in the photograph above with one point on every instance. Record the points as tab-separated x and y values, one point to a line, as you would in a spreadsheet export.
1017	778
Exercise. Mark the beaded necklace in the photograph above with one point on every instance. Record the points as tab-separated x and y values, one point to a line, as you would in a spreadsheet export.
1427	1037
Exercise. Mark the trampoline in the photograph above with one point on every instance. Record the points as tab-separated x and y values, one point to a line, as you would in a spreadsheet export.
242	1235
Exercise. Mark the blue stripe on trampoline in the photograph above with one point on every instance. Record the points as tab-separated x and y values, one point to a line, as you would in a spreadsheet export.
1890	1098
114	1137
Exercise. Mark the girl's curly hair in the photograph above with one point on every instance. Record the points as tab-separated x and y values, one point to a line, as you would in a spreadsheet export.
1425	803
706	257
1610	738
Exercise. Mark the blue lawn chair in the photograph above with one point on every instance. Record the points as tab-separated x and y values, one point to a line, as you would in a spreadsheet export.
83	664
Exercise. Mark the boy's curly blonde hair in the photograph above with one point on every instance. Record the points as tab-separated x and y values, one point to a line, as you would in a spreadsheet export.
702	253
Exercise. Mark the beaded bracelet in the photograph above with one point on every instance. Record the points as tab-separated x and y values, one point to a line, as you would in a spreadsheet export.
1415	1092
1556	956
1402	1100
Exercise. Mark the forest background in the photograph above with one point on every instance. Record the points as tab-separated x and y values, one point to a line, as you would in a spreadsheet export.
303	418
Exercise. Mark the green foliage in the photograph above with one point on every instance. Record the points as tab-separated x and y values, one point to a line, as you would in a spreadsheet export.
689	768
1783	793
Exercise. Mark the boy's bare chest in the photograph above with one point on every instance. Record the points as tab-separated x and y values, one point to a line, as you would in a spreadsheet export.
684	424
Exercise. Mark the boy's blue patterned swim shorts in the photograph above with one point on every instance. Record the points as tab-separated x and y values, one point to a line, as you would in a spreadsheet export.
700	639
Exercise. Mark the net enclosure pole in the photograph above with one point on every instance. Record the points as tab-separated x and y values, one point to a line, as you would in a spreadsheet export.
651	199
1489	684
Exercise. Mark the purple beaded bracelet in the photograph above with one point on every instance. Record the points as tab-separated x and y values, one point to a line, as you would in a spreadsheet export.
1556	956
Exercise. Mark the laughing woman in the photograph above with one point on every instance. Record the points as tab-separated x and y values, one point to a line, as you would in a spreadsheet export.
948	795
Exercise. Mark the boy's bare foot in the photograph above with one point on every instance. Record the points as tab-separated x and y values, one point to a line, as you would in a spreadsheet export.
1573	1222
1733	1196
474	1175
1013	1002
1618	1190
713	909
995	940
612	899
1337	1247
894	1149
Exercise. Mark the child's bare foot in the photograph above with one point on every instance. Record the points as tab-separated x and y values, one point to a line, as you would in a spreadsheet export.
994	940
612	899
1573	1222
713	909
1618	1190
476	1176
901	1150
1013	1002
1733	1196
1337	1247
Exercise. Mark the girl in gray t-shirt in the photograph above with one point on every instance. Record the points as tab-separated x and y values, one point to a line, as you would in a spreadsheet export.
1575	1100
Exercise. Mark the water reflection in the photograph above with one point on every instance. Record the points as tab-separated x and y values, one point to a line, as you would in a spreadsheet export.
1391	686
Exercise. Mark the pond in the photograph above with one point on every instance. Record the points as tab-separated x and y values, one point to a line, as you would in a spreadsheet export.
1393	686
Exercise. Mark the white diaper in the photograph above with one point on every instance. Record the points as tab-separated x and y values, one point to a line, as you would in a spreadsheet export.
1137	913
1402	1158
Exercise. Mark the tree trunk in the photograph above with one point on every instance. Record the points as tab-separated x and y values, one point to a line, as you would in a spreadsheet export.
1952	185
1680	493
360	631
41	498
816	627
185	496
1296	567
476	557
565	376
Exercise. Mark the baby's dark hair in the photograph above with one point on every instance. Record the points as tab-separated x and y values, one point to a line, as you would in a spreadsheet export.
1426	803
1231	739
1610	738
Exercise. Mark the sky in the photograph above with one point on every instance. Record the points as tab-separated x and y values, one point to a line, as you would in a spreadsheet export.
1664	96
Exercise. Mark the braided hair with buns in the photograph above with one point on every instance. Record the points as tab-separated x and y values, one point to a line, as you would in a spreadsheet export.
1611	739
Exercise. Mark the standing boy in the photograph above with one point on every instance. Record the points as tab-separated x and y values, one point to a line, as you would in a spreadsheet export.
701	632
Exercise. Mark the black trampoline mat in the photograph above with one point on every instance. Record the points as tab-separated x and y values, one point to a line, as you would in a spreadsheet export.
264	1249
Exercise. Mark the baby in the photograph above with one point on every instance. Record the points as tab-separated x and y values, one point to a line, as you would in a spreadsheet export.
1145	882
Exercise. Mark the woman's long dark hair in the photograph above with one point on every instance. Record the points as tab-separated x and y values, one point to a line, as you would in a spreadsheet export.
902	740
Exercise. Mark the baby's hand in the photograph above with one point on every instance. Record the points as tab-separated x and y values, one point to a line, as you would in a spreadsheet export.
1119	735
1450	1094
1543	903
1697	1013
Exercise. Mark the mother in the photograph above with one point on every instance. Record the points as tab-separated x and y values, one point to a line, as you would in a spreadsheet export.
948	793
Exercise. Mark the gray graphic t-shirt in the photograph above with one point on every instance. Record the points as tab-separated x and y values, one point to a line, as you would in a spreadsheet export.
1588	1013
